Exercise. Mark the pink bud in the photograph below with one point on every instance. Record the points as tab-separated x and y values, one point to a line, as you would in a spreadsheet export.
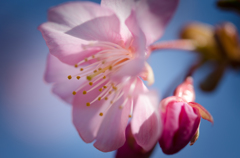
186	90
180	122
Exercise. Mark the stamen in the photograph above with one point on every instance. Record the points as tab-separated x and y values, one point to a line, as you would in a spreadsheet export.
84	92
123	104
131	111
90	83
101	114
81	69
86	59
88	104
76	65
74	93
78	77
69	77
96	85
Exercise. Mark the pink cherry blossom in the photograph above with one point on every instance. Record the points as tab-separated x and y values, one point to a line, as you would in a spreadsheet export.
181	118
97	54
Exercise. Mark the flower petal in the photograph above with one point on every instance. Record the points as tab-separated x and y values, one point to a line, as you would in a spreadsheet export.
105	28
153	16
63	18
123	9
65	47
138	42
131	149
132	68
203	112
111	134
146	124
86	119
72	14
65	89
56	71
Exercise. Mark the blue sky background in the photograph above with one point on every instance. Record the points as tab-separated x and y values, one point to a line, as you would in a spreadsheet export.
34	123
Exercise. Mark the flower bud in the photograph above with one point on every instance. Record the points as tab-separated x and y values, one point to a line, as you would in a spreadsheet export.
181	122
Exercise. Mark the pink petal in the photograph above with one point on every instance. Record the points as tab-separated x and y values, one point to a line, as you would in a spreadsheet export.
56	71
123	9
138	42
203	112
186	90
132	68
65	47
65	89
86	119
146	124
111	134
131	149
72	14
105	28
153	16
62	19
166	101
181	122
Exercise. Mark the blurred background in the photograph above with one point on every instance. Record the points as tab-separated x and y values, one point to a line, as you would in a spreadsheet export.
35	123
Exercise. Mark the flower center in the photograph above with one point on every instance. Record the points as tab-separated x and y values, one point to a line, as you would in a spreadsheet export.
98	69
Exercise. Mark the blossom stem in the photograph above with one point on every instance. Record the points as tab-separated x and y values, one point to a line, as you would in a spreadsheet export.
175	44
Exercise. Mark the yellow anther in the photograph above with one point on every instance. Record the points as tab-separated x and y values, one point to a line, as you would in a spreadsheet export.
93	56
78	77
120	107
99	69
89	78
95	71
88	104
105	87
86	59
74	93
84	92
111	102
110	92
115	88
106	98
69	77
81	69
99	98
101	114
112	84
129	116
76	65
104	77
100	89
103	62
110	68
90	83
